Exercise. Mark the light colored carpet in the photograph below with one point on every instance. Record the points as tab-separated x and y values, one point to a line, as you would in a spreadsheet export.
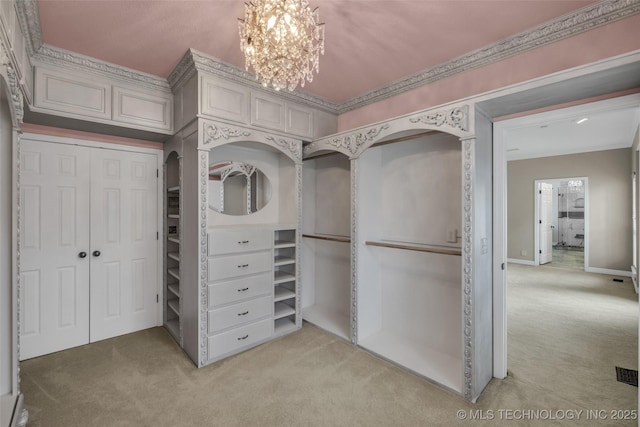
564	342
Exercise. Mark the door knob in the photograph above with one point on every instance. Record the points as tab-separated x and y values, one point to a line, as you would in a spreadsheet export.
96	253
82	254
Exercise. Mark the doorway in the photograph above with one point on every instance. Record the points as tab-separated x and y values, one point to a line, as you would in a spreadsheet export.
562	222
625	109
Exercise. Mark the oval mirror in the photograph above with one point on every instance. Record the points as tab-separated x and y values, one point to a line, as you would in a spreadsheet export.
237	188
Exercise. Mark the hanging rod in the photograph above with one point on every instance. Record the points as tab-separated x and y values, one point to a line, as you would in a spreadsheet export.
418	248
329	238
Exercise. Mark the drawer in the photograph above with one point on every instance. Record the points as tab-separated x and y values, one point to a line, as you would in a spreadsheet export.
237	314
240	337
225	241
225	267
240	289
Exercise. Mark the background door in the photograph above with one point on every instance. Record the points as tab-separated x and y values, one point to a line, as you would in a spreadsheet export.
545	207
54	276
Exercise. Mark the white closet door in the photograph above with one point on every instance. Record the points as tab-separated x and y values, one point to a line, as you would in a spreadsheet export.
54	278
546	222
124	193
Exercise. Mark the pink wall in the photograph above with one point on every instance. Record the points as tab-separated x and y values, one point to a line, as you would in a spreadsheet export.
604	42
69	133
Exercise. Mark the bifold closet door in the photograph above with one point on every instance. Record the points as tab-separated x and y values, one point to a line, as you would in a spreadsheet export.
124	257
88	245
55	247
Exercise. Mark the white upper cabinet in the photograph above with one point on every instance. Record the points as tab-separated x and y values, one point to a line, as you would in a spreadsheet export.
226	99
81	95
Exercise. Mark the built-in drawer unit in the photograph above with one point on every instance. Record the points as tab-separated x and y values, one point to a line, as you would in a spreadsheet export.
239	289
225	267
240	337
228	241
237	314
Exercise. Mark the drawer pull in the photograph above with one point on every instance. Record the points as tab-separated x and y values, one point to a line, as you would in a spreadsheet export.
243	242
243	338
243	266
243	290
243	314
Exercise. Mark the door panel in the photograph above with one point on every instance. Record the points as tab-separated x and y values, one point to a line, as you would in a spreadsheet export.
546	221
54	280
124	227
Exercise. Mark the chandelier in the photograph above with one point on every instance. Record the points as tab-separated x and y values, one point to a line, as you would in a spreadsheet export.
282	40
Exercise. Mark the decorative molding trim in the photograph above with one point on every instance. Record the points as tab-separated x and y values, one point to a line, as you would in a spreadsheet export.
349	144
29	17
292	146
18	248
181	226
63	58
467	266
213	133
16	93
202	245
298	248
354	251
457	118
585	19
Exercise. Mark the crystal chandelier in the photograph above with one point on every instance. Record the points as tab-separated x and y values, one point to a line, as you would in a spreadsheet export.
282	40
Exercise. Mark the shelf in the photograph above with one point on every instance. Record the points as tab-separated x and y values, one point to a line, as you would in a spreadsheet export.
331	238
283	260
444	250
282	293
423	360
283	326
175	189
175	272
174	304
175	289
282	277
281	310
174	255
280	244
173	216
173	326
328	319
174	239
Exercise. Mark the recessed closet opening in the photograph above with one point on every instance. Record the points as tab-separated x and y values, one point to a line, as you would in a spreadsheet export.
409	197
326	249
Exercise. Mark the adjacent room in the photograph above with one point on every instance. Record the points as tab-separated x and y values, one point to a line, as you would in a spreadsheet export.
295	212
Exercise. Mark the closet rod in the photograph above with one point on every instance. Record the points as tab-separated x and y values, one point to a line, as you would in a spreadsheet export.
330	238
432	249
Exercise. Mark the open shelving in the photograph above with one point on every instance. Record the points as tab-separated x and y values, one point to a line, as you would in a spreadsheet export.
172	292
284	281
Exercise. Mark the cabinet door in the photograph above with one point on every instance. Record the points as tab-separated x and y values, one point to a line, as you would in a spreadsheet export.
124	273
54	232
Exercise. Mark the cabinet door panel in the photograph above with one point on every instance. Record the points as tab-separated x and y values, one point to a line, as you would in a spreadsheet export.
225	267
236	314
240	289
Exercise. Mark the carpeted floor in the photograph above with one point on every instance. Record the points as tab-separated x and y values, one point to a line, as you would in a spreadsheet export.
567	332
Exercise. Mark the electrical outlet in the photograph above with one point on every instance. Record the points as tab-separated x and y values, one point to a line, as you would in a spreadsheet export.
452	235
523	253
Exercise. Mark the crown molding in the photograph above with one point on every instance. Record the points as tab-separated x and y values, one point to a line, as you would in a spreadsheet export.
585	19
194	60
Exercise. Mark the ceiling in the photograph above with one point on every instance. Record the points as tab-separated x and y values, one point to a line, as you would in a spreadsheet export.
610	125
369	43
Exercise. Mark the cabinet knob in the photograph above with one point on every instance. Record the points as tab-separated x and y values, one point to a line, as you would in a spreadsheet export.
243	266
243	338
96	253
243	290
243	314
243	242
82	255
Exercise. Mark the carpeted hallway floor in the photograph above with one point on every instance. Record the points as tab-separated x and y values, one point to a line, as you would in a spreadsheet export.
567	331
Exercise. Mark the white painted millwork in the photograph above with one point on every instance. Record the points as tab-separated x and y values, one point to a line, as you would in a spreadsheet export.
545	212
89	263
54	278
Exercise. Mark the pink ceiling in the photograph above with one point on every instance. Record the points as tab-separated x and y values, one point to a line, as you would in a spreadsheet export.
369	43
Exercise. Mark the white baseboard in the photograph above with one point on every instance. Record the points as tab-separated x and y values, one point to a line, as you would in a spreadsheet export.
520	261
608	271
